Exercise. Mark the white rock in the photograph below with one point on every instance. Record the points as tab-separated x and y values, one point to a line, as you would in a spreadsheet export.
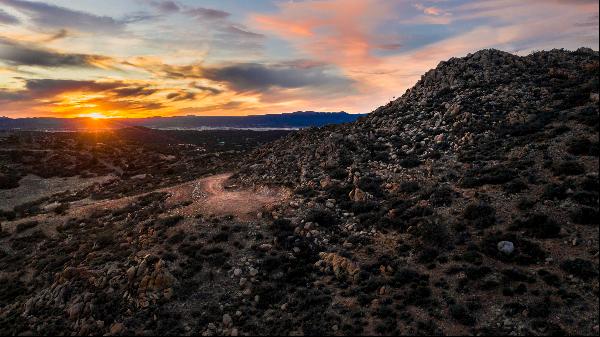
227	320
506	247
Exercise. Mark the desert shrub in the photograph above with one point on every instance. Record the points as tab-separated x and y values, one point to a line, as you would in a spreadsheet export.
590	184
28	208
585	215
305	191
405	276
554	192
339	192
409	187
428	255
8	182
10	289
581	268
525	204
220	237
323	217
480	214
363	207
586	198
25	226
8	215
371	185
579	146
62	208
338	173
461	314
537	225
433	233
105	239
170	221
410	162
442	196
495	175
549	278
176	238
568	168
515	186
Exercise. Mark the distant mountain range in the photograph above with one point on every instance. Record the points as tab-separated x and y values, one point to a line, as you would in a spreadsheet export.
294	120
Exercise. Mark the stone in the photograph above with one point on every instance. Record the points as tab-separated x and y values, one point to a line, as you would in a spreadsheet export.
506	247
227	320
117	329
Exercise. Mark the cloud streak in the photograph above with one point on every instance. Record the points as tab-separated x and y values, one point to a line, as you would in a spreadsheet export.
51	16
18	54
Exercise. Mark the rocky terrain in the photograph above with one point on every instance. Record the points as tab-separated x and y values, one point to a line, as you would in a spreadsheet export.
467	206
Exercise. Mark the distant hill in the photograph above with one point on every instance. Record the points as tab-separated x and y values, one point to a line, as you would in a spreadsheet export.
294	120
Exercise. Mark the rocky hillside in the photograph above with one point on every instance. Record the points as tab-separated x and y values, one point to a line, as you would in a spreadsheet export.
467	206
470	202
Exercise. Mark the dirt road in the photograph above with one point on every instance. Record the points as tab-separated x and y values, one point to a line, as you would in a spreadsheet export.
210	197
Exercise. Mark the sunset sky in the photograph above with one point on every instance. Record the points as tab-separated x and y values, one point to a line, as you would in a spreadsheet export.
135	58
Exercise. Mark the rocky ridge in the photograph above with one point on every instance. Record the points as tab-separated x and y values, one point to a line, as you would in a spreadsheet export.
481	181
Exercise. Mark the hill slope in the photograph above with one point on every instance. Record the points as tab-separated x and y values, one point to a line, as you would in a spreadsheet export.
470	202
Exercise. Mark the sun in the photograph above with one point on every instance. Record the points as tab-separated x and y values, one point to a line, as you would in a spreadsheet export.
94	115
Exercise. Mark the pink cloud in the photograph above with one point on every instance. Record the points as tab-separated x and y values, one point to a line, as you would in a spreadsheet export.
348	34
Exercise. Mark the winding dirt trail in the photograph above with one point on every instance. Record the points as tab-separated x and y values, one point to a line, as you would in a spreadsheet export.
209	196
205	196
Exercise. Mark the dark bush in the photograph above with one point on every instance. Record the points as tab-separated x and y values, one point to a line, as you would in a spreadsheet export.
8	182
554	192
338	173
579	146
481	214
538	225
363	207
170	221
586	198
515	186
25	226
461	314
433	233
409	187
494	175
585	215
410	162
322	217
581	268
568	168
442	196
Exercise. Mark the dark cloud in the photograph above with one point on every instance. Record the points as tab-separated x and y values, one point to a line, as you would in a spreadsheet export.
134	91
7	18
39	88
259	77
176	72
138	17
206	13
181	96
61	34
241	32
47	15
9	96
117	94
213	91
166	6
18	54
